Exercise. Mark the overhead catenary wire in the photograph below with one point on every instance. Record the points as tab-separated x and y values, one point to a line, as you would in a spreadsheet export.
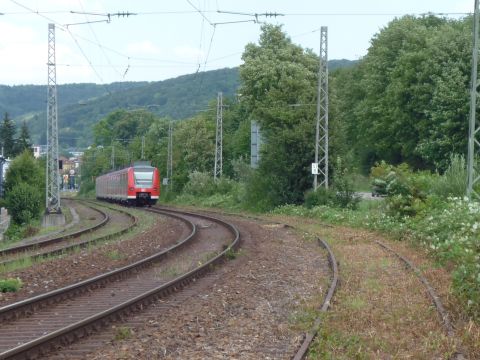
206	14
96	38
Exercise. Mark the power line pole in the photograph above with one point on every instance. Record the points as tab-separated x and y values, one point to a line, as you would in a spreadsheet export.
112	160
321	133
217	172
53	186
473	142
143	145
170	155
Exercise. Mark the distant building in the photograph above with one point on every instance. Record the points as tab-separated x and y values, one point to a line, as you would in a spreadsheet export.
69	172
4	164
39	150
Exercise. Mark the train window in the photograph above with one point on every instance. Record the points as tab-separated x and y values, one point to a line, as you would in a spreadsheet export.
143	177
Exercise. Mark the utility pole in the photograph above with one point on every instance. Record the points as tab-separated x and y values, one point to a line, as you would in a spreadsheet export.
170	155
321	133
473	139
53	186
2	161
217	171
112	160
143	145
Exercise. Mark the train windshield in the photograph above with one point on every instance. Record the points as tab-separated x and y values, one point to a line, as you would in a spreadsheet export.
143	177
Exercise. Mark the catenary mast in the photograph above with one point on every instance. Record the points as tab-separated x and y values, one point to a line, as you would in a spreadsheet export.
53	186
321	136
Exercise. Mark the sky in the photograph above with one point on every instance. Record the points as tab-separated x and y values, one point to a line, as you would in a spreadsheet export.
163	39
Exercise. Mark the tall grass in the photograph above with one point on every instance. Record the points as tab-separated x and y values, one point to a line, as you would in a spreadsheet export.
454	181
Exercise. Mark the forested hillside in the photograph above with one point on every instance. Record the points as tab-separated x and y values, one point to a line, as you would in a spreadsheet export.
178	98
22	99
82	105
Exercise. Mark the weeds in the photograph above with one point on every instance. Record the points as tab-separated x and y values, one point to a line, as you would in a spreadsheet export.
231	254
115	255
10	285
123	333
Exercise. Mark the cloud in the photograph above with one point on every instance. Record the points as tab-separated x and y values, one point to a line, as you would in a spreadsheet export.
189	52
144	47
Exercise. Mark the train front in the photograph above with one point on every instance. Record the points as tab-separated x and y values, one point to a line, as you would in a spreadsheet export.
144	185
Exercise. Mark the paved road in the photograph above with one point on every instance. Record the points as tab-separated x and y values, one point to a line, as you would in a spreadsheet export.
368	196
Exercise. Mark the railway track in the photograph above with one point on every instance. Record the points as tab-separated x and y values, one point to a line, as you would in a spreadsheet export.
44	248
35	326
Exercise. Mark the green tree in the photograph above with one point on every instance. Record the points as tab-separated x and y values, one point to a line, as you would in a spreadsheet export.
25	188
25	169
23	141
407	99
7	133
122	125
24	203
278	83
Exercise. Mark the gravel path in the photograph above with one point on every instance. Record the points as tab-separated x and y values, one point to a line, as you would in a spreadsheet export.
59	272
247	309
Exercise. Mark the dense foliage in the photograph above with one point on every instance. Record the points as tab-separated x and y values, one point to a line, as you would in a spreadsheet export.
10	145
7	133
25	188
24	203
407	100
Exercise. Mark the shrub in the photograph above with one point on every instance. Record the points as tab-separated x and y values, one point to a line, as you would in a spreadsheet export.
319	197
454	181
24	203
10	285
406	191
345	196
200	184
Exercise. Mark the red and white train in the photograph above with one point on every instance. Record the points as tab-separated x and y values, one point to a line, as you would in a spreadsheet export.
136	185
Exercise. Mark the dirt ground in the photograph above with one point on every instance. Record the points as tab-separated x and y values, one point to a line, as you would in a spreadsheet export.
259	304
247	308
382	310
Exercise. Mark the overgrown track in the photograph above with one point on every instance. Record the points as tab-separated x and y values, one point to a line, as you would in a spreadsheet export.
35	326
447	325
302	352
43	243
63	244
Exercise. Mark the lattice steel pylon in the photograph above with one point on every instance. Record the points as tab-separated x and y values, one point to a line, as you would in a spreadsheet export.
473	141
170	155
217	171
53	186
321	134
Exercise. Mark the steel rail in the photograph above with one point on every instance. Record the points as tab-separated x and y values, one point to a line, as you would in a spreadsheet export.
28	306
82	328
82	244
302	351
310	336
43	243
442	313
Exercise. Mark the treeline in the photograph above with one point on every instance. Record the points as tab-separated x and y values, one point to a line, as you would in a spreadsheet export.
406	101
408	98
20	100
178	98
10	144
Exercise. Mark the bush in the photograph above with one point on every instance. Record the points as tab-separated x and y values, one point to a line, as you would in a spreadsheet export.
454	181
200	184
345	196
406	191
10	285
24	203
319	197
